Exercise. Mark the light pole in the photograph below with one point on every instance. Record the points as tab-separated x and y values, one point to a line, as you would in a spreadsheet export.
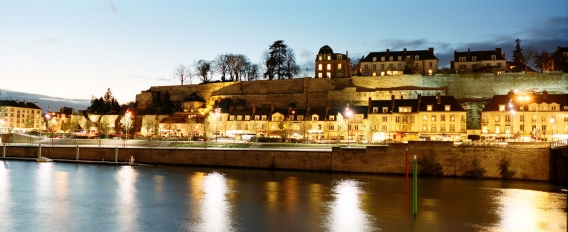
523	99
217	114
552	129
348	116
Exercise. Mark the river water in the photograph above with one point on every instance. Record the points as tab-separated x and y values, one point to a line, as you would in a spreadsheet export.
84	197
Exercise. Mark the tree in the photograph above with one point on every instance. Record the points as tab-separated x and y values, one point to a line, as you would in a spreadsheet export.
518	52
168	106
221	66
541	60
202	68
190	126
104	127
528	56
182	73
341	125
149	125
251	72
126	123
280	62
104	105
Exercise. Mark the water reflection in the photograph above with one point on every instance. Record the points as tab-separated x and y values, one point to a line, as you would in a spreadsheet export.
6	203
127	204
210	194
527	210
346	212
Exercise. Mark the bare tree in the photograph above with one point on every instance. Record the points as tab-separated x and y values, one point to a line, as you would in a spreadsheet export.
221	66
541	60
182	73
202	68
528	56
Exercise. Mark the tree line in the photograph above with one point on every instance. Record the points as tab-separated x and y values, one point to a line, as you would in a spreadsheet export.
278	62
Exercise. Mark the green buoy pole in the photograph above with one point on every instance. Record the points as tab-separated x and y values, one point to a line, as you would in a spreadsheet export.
414	188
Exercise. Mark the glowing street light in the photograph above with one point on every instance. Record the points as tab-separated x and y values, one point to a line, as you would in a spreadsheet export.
348	114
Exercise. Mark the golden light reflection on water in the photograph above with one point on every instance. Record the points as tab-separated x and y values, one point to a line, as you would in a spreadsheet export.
5	200
127	204
529	210
213	210
346	212
272	189
159	182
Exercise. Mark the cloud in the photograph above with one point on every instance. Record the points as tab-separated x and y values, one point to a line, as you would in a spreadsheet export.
307	54
113	7
45	41
44	101
150	78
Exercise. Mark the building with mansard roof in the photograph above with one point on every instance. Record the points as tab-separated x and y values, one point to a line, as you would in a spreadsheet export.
19	116
390	63
332	65
479	61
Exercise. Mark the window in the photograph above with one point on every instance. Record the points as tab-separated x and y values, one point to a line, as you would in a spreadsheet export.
239	117
462	66
374	58
340	57
429	108
232	118
424	118
331	127
374	74
399	57
290	117
433	128
452	118
256	117
384	128
385	119
390	57
447	107
501	107
338	66
300	117
507	118
522	118
452	128
473	58
382	58
328	66
374	67
412	119
319	57
416	57
462	58
405	119
442	118
332	117
320	75
521	108
247	117
488	65
396	119
496	118
315	117
385	109
366	67
382	66
391	66
320	66
429	64
498	64
328	57
425	127
493	57
328	75
264	117
433	118
443	128
405	109
553	108
375	109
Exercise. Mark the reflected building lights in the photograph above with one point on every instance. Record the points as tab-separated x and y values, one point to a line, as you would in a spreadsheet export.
5	199
346	213
213	209
127	198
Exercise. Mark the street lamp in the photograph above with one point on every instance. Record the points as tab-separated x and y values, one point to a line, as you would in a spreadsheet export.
348	116
217	114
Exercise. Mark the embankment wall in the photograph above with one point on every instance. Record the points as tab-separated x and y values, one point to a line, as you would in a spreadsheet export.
526	161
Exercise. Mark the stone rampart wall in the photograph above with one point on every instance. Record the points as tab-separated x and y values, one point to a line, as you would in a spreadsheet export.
527	161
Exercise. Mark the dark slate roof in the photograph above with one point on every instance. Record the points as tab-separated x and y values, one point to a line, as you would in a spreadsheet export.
496	100
22	104
263	111
242	112
397	103
479	55
325	50
445	100
423	55
301	111
193	98
320	112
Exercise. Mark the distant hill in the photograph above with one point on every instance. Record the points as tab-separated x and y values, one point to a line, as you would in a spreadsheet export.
44	101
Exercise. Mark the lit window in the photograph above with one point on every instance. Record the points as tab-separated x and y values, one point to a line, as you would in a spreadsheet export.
232	118
473	58
300	117
328	57
385	109
493	57
320	66
263	117
320	75
382	58
433	118
338	66
340	57
332	117
429	108
390	57
239	117
319	57
256	117
374	58
399	57
247	118
424	117
328	75
447	107
375	109
374	74
328	66
462	58
501	107
416	57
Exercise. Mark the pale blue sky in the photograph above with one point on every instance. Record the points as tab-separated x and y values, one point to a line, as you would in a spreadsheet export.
77	49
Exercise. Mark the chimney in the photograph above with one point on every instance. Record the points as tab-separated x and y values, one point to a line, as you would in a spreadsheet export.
253	110
388	51
431	50
272	109
404	50
544	95
347	54
511	94
439	98
468	52
498	51
504	56
392	101
419	101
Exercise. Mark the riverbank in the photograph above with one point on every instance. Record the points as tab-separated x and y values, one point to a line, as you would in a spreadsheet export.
518	161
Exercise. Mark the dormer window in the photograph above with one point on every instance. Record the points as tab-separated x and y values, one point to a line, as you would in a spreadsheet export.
405	109
385	109
374	58
429	108
473	58
300	117
315	117
290	117
447	107
247	117
257	117
319	57
232	118
501	107
416	57
399	57
264	117
493	57
462	59
332	117
390	57
328	57
340	57
382	58
375	109
239	117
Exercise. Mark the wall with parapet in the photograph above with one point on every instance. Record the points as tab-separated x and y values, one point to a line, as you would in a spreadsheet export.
526	161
